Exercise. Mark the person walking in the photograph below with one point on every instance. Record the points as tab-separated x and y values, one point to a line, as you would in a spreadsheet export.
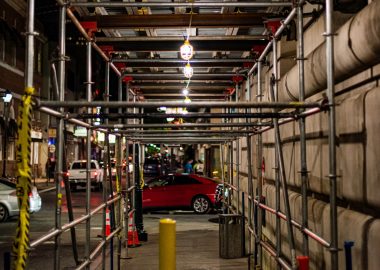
189	166
199	167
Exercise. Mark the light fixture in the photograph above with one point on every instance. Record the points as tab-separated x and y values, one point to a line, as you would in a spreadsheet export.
186	50
6	95
185	91
188	71
187	100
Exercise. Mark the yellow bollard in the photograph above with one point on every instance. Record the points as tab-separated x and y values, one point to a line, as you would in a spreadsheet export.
167	248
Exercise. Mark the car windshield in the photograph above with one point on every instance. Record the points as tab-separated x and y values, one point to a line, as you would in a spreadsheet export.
82	165
158	182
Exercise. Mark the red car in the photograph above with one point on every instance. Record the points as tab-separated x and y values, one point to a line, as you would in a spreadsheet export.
180	191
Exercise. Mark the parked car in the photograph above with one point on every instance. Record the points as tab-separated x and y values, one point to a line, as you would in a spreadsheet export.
180	191
77	174
8	200
152	167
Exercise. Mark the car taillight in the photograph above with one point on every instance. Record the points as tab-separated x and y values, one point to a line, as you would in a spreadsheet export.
96	173
13	193
67	174
30	194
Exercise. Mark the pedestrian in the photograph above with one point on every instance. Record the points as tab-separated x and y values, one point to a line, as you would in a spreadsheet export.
198	167
189	166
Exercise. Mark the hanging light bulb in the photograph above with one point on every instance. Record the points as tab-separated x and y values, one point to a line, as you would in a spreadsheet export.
186	50
185	91
187	100
188	71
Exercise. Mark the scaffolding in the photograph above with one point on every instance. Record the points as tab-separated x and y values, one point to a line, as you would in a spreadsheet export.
227	137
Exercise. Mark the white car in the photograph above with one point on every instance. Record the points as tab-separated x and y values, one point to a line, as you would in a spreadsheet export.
8	200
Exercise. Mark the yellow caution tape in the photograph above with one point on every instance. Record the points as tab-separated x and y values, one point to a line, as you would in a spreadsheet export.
24	180
142	183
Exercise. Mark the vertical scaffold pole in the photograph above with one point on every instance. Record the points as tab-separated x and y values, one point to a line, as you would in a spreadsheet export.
332	132
237	145
118	182
280	163
59	158
250	174
258	250
88	144
277	164
105	159
302	127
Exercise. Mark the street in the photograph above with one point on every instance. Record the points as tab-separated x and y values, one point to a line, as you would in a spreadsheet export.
42	222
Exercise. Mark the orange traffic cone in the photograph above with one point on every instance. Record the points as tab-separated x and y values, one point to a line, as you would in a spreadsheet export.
133	238
108	223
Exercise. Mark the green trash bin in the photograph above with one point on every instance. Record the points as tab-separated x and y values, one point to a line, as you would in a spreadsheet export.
231	243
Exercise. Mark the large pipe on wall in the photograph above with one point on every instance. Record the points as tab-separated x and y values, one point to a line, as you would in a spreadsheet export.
356	46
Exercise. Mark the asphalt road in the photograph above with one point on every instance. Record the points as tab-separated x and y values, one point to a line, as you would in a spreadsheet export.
42	222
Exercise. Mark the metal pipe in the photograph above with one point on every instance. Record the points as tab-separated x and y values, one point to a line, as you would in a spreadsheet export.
94	253
250	187
69	225
168	76
332	133
181	135
180	61
118	179
258	251
183	4
30	33
88	144
280	261
280	161
178	38
184	125
278	33
181	104
302	127
237	151
80	28
197	131
105	160
60	97
350	56
188	115
313	235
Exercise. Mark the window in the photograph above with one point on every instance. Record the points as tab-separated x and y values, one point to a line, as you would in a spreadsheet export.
185	180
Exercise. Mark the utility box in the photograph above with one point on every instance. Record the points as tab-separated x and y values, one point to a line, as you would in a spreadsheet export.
231	243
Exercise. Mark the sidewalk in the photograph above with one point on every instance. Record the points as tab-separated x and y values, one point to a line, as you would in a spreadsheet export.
43	185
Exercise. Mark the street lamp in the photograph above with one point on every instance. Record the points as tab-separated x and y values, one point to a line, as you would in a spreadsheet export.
6	96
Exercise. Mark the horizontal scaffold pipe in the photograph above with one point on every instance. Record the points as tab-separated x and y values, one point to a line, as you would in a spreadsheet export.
180	38
184	125
73	223
80	28
197	131
356	48
184	135
183	4
179	115
189	140
290	119
310	233
278	33
272	252
192	105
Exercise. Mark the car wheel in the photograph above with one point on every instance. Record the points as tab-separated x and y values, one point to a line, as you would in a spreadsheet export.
3	213
201	205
